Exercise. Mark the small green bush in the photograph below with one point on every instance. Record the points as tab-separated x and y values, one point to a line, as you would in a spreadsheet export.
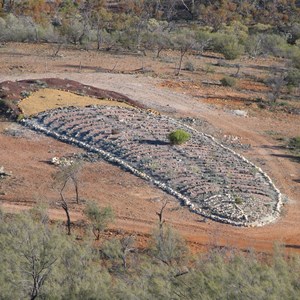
274	44
179	137
294	143
238	200
20	117
188	66
228	81
293	77
296	58
2	104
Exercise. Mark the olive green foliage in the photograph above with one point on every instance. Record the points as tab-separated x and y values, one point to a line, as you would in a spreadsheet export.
276	83
4	107
179	137
167	246
293	77
294	143
20	117
274	44
295	56
39	262
228	81
228	45
188	66
118	250
99	217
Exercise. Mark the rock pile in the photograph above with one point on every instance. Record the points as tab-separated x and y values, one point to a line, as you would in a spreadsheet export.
211	179
3	173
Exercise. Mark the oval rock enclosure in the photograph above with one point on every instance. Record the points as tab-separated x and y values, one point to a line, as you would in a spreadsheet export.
211	179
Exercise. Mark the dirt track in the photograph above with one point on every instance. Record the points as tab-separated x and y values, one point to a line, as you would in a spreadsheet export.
134	201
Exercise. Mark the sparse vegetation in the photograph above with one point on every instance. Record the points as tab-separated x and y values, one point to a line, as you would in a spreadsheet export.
228	45
99	217
179	137
294	143
228	81
36	259
238	200
293	78
20	117
189	66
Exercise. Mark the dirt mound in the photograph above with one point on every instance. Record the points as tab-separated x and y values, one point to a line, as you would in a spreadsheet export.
46	99
11	92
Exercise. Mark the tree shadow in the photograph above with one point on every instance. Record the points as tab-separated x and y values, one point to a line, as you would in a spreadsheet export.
266	68
232	98
84	67
154	142
292	157
292	246
16	53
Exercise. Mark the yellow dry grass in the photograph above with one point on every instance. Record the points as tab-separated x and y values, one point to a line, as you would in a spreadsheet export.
46	99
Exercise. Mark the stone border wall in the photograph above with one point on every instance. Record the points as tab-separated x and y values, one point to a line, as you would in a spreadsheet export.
185	200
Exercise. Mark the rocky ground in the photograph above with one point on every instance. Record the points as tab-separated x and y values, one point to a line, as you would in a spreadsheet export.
211	179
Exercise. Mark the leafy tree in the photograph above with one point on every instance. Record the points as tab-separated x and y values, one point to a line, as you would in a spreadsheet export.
157	36
254	45
118	250
293	77
183	41
228	45
69	172
276	84
38	262
30	253
99	217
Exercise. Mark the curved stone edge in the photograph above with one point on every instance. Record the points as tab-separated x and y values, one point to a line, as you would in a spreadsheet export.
279	204
185	200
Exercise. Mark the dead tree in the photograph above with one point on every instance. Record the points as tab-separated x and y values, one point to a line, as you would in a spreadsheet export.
64	205
61	178
160	215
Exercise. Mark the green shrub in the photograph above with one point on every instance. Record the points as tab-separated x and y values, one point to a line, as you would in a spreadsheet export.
25	94
99	217
188	66
293	77
236	28
228	45
275	45
179	137
228	81
238	200
296	58
20	117
260	28
294	143
253	45
2	104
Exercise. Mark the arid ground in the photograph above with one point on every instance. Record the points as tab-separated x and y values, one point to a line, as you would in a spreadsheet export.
151	82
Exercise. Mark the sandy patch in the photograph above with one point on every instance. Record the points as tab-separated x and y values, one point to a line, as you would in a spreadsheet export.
45	99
